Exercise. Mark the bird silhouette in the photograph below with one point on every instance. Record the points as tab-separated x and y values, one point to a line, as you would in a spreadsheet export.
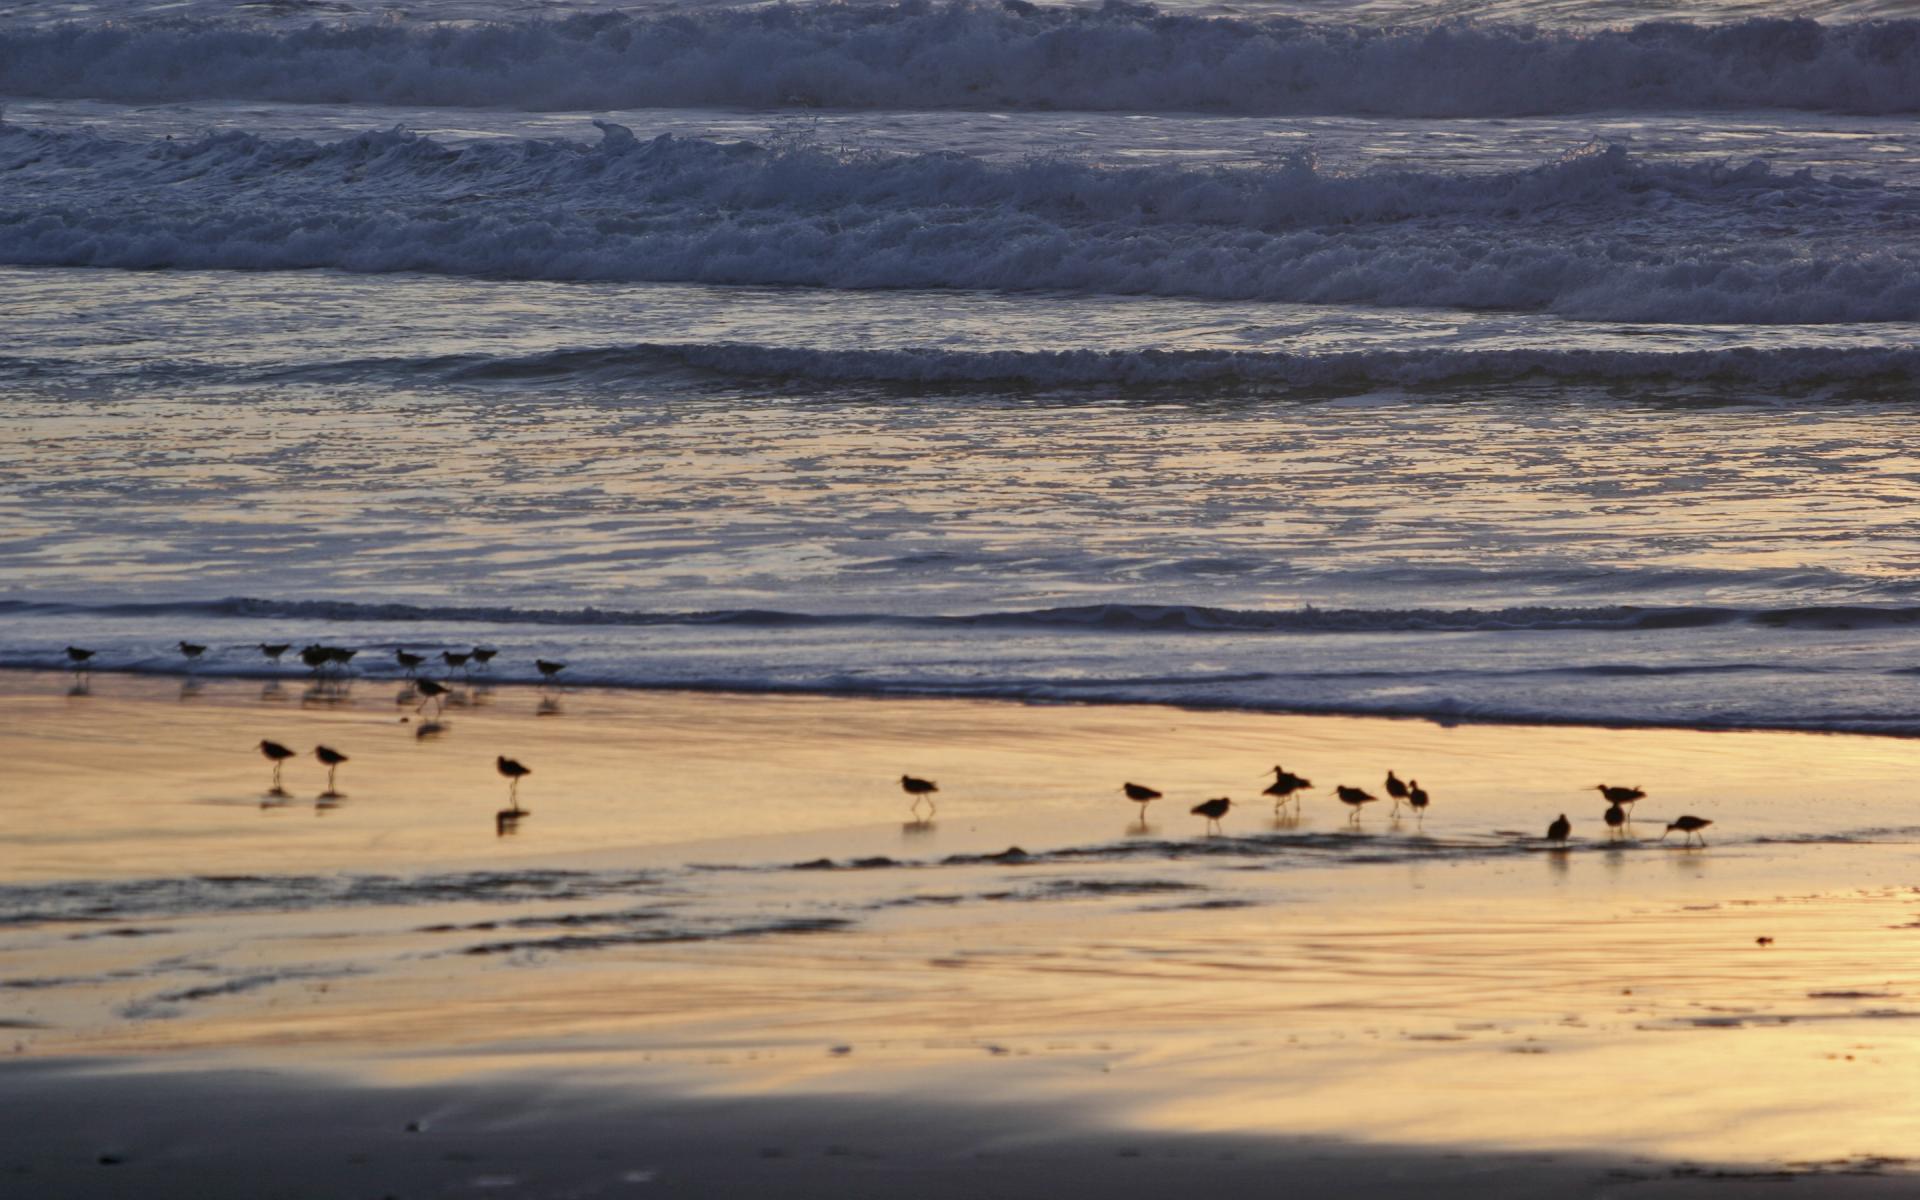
1689	826
274	651
1286	786
1353	798
920	790
1620	795
78	657
514	771
1142	795
1560	829
1213	810
408	662
332	758
1616	818
192	650
316	657
483	655
431	691
1397	790
277	755
549	669
1417	797
455	662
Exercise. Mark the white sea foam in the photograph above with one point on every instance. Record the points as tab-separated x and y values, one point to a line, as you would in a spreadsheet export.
1598	234
1014	55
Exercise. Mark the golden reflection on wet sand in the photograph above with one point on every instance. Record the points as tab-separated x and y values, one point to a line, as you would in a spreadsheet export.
1446	983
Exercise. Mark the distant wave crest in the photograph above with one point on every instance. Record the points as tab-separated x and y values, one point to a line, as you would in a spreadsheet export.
1121	57
1171	618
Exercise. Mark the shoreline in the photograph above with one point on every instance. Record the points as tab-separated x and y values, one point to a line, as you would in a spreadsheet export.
984	695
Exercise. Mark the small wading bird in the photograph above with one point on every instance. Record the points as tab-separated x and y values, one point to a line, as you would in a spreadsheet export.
1353	798
332	758
1142	795
1691	827
1620	795
1286	786
1616	817
514	771
549	669
192	650
316	657
339	656
920	790
1418	798
273	652
430	691
1397	790
78	657
277	755
408	662
1213	810
455	662
483	655
1560	829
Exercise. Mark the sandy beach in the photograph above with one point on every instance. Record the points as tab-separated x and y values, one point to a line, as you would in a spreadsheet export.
719	954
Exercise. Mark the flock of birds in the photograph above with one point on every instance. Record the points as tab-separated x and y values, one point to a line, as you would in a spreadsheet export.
505	821
322	659
1288	787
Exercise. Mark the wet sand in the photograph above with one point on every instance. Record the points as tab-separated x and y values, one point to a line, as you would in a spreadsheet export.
718	955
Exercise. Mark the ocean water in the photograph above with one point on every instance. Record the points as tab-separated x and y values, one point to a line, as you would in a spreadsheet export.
1533	361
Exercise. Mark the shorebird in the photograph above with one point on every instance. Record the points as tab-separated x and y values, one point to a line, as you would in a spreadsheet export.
514	771
316	657
1691	827
455	662
192	650
429	692
337	655
1620	795
1353	798
275	651
1417	797
1397	790
332	758
277	755
1286	786
1616	817
482	655
549	669
1560	829
78	657
408	662
1142	795
1213	810
919	789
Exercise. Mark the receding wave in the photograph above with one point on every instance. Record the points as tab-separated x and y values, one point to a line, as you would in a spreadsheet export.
1597	233
1772	365
1125	57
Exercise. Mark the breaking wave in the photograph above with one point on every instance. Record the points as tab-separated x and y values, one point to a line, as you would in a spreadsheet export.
1597	234
1011	55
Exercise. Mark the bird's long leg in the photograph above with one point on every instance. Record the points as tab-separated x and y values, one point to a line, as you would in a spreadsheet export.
277	789
330	770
